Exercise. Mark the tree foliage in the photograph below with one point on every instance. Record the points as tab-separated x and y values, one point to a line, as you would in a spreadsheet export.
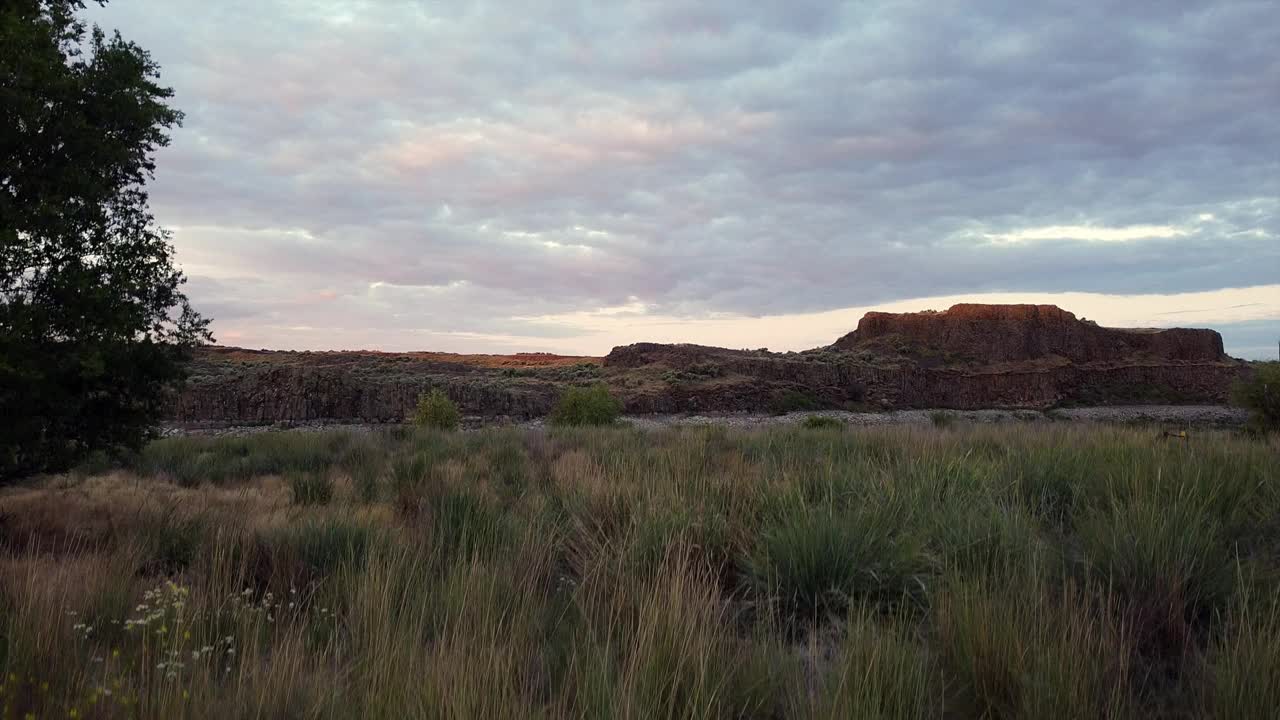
1260	393
94	328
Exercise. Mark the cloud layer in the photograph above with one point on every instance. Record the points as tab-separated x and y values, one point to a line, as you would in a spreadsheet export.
433	174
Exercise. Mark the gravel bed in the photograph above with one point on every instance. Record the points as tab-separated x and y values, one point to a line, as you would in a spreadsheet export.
1175	415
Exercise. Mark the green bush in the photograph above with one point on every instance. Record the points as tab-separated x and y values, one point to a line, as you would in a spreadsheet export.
436	410
1260	393
587	406
794	401
942	419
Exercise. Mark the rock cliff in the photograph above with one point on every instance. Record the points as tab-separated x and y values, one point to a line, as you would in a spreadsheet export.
967	357
988	334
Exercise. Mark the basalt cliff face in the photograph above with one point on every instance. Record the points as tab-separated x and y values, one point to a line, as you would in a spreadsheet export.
1019	333
967	357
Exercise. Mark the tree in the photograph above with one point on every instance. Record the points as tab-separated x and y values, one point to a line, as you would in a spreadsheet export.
1259	391
94	328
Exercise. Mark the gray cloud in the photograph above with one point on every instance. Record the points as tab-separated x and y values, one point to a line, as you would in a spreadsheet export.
482	161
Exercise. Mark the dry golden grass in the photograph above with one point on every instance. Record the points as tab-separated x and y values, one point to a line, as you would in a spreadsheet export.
892	573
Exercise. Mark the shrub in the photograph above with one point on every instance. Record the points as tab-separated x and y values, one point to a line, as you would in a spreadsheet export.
311	488
822	422
696	372
1260	393
436	410
942	419
587	406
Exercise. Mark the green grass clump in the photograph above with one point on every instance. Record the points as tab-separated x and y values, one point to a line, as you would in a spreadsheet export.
194	460
1244	663
171	542
878	671
326	545
1019	647
1167	562
815	561
310	488
593	405
365	463
435	410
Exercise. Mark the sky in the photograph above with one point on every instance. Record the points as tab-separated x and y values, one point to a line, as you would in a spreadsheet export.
566	177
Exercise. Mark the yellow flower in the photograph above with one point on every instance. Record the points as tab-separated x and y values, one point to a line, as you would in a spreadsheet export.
115	652
73	713
185	695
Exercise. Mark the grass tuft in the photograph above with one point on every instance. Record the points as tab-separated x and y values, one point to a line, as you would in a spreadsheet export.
310	488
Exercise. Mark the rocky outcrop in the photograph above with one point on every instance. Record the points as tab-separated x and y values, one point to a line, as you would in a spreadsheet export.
238	386
299	394
985	334
762	384
968	357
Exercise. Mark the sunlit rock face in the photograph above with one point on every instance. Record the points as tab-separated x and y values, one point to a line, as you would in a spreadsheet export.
1015	333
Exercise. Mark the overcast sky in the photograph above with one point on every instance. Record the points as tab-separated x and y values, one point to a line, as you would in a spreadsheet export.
531	175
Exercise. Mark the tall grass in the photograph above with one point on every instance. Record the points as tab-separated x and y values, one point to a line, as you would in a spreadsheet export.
986	572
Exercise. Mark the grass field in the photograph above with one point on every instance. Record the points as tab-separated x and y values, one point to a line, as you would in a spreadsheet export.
1003	572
